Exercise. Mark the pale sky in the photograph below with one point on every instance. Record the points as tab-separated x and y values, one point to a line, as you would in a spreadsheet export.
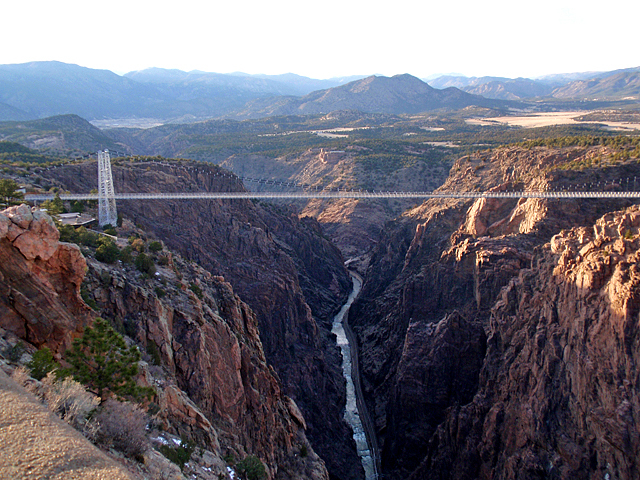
326	39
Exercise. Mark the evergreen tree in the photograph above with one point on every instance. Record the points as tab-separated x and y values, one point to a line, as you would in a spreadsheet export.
9	192
102	361
42	362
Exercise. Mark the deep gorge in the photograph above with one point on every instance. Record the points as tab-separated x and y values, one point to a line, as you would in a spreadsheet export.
495	338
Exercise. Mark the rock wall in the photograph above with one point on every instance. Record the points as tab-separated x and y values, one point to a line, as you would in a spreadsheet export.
218	388
424	316
40	280
212	382
559	386
284	269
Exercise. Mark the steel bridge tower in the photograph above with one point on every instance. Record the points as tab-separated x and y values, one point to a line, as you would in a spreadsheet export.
107	213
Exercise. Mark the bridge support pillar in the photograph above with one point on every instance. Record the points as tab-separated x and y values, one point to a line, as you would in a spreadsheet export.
107	213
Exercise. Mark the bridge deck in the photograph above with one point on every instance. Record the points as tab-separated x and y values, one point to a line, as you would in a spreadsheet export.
323	194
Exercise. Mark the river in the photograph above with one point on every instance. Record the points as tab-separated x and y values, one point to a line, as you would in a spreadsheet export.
355	411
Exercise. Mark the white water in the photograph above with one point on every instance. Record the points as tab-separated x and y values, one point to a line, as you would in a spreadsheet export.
351	414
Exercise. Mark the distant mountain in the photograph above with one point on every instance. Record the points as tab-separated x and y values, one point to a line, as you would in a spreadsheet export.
618	86
500	88
299	85
374	94
510	89
43	89
7	112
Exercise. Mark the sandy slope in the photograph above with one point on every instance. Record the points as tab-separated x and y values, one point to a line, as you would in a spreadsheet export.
35	444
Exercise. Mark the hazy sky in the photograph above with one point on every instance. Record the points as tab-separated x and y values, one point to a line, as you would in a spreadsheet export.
327	38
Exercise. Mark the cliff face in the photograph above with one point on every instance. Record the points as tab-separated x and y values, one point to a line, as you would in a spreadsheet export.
558	393
218	387
424	317
214	387
40	280
280	265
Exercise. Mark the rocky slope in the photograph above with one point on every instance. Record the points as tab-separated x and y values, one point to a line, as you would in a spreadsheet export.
426	318
279	264
40	280
213	384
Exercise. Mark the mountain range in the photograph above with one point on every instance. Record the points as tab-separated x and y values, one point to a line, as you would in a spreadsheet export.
42	89
614	85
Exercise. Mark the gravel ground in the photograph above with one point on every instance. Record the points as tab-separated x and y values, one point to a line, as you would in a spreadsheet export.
35	444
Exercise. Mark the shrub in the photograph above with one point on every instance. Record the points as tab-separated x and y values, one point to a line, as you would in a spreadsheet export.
69	400
179	455
14	353
88	299
108	251
154	352
145	264
155	246
196	289
123	427
42	363
251	468
77	206
125	254
137	244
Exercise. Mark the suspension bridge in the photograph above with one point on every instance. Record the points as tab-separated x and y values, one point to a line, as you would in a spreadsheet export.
107	196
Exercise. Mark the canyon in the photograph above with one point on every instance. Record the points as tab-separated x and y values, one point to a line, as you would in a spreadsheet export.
495	338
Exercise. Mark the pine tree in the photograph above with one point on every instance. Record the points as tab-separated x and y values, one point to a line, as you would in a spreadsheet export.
9	193
102	361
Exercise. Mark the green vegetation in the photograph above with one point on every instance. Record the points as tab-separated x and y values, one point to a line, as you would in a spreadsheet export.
102	361
42	362
55	206
108	251
251	468
9	194
155	246
145	264
180	455
195	288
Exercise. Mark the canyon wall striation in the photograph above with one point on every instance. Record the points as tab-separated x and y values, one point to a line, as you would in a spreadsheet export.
427	322
280	265
213	384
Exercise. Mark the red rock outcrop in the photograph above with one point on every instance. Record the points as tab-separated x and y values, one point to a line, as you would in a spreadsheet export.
454	257
214	385
559	387
40	280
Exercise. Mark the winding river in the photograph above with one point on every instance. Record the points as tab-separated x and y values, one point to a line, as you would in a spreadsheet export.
355	411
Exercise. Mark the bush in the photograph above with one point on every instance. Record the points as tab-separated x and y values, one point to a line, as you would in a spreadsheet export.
14	353
179	455
108	251
42	363
251	468
122	427
145	264
69	400
196	289
155	246
125	254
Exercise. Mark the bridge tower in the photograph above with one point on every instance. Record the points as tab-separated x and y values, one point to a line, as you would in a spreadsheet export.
107	213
